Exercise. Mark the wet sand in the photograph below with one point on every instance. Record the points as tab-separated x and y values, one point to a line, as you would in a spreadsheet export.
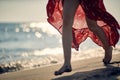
89	69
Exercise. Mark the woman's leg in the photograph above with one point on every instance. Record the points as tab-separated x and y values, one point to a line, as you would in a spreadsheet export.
69	9
102	36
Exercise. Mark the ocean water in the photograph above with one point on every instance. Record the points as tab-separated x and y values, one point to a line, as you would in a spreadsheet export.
37	44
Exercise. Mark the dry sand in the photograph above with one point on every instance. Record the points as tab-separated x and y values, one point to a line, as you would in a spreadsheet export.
89	69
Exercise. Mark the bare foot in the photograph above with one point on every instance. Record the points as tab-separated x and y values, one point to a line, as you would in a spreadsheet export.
63	69
108	56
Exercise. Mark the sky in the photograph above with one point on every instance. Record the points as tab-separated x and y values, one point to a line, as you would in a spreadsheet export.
22	10
35	10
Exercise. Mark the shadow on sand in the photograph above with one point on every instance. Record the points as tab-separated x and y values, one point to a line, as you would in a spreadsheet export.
109	73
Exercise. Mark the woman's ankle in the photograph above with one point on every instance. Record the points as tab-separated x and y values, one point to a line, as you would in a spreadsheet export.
67	64
108	55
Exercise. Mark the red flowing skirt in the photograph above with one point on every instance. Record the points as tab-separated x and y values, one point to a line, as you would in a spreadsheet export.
80	30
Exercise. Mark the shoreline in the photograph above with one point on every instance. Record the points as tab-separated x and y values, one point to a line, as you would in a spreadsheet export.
88	69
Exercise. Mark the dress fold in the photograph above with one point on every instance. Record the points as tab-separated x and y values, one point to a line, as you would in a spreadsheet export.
93	9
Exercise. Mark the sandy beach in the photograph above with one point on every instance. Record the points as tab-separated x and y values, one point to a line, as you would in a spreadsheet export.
89	69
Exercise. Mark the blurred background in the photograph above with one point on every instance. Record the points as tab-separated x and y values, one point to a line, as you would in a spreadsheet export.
28	41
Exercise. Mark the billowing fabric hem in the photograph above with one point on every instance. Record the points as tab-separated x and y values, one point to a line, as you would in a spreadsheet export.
80	29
